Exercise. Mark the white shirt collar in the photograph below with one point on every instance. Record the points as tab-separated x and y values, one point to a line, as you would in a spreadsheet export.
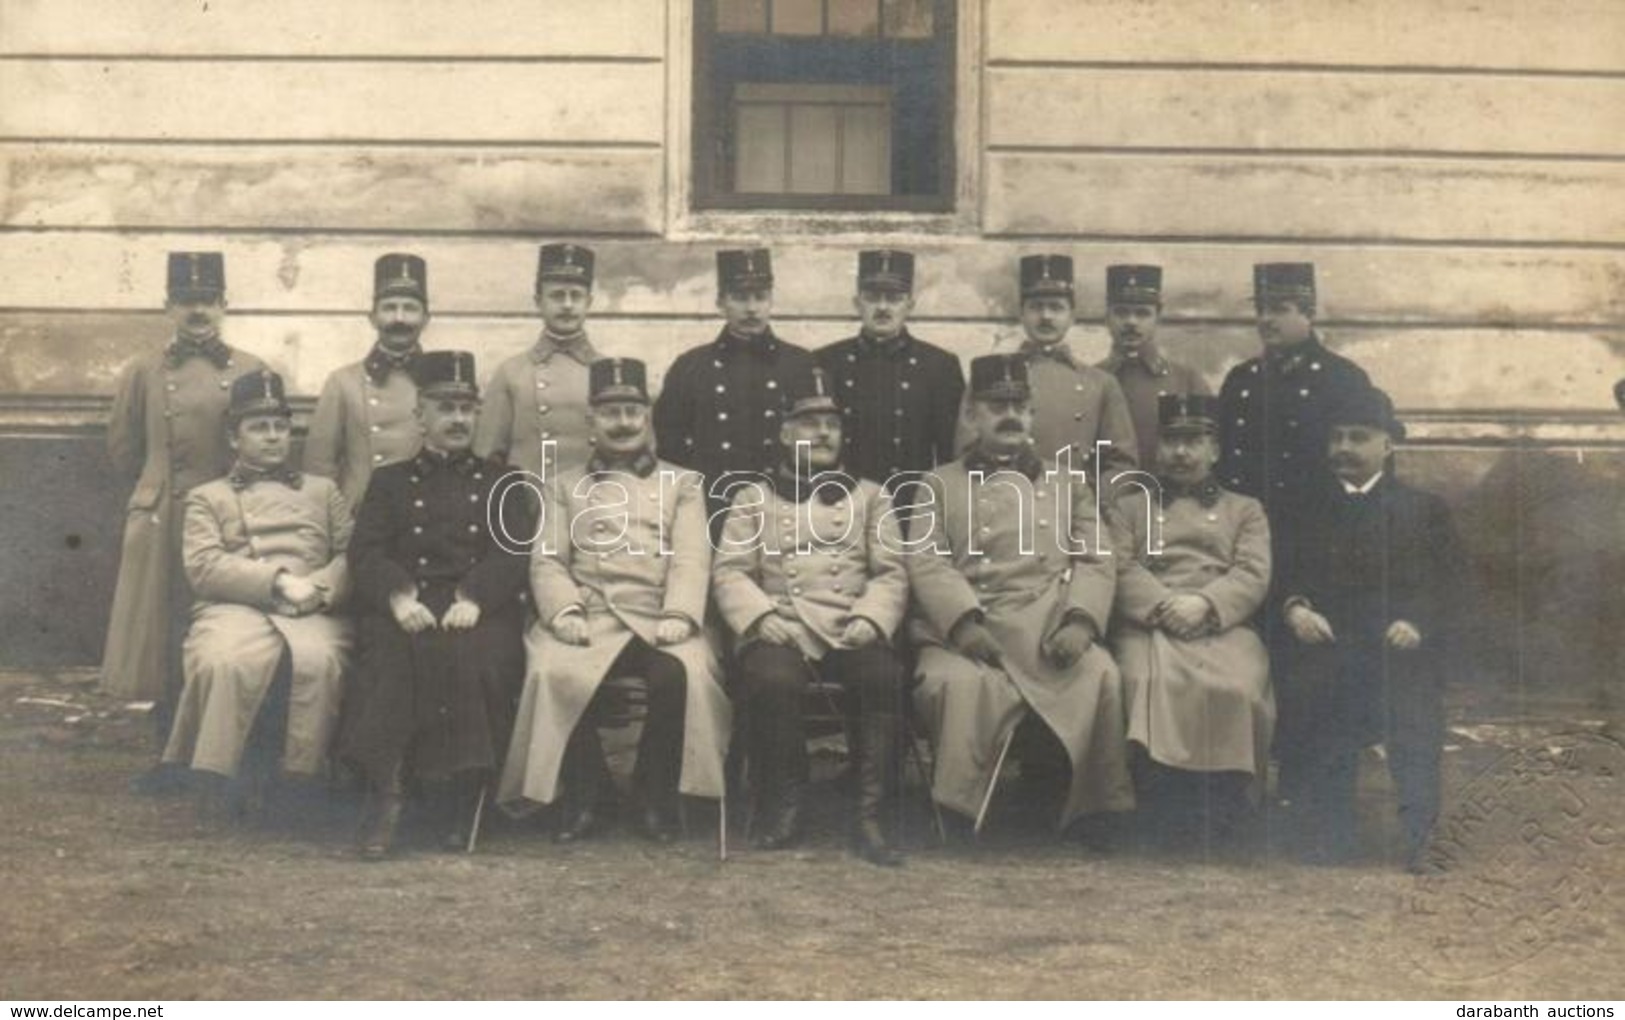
1362	490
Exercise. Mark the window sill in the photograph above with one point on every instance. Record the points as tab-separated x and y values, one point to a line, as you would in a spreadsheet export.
732	224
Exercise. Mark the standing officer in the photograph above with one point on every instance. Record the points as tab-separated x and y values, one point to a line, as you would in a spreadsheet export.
719	410
810	576
1013	593
364	416
438	574
1273	429
1372	601
539	397
620	581
1073	404
264	552
899	395
165	436
1133	313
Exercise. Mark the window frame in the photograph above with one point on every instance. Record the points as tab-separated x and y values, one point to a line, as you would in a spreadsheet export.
696	209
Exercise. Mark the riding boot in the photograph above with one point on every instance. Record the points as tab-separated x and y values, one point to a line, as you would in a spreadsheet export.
462	803
877	745
382	816
583	768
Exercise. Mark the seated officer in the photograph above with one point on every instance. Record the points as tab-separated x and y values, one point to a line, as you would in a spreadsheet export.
1193	572
263	548
1011	596
810	576
620	579
438	593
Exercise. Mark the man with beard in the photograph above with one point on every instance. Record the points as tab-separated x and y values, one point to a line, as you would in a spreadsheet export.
1372	604
438	577
1074	405
264	552
1133	313
810	577
1012	592
537	401
164	436
620	581
899	395
718	412
364	416
1194	569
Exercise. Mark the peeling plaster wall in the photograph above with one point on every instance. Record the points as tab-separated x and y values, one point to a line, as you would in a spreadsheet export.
1456	169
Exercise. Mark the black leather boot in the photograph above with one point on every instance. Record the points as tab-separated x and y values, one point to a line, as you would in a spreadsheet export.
583	767
462	804
381	817
878	743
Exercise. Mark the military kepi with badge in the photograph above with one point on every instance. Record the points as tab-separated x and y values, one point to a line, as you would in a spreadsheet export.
196	275
446	374
611	380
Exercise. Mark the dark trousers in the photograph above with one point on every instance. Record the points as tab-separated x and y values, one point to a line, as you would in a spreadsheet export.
660	748
771	687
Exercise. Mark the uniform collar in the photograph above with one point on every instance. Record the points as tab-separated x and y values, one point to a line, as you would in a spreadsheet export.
727	343
550	343
1060	351
890	347
642	464
1156	364
242	476
428	461
1025	462
1205	492
1289	361
831	486
212	348
381	361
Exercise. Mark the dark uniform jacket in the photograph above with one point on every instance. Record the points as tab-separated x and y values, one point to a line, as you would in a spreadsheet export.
1363	563
1273	426
423	525
721	406
899	403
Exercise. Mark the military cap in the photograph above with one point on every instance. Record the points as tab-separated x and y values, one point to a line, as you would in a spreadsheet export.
1366	405
811	394
564	263
400	274
257	393
1187	413
999	377
446	373
1134	285
196	275
744	269
1046	276
886	269
612	379
1285	281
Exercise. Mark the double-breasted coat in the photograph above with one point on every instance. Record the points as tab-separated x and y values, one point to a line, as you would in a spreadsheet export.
363	421
628	550
1273	427
1205	703
240	535
166	434
1075	405
721	406
535	398
1024	552
445	697
900	402
816	564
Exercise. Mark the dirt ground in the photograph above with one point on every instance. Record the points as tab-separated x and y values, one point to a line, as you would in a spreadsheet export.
108	895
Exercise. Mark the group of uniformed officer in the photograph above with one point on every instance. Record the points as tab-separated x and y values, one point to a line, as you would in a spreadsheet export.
526	563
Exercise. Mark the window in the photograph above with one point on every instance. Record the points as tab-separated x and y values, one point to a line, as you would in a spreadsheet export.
823	104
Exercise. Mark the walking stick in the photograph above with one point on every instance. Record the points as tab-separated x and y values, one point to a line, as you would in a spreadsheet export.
998	766
479	811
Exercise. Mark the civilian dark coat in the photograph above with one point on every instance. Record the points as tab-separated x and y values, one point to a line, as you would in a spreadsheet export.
447	697
1364	563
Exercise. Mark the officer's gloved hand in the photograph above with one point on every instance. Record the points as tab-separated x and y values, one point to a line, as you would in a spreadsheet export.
672	630
1070	642
463	614
774	630
572	629
973	640
859	633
